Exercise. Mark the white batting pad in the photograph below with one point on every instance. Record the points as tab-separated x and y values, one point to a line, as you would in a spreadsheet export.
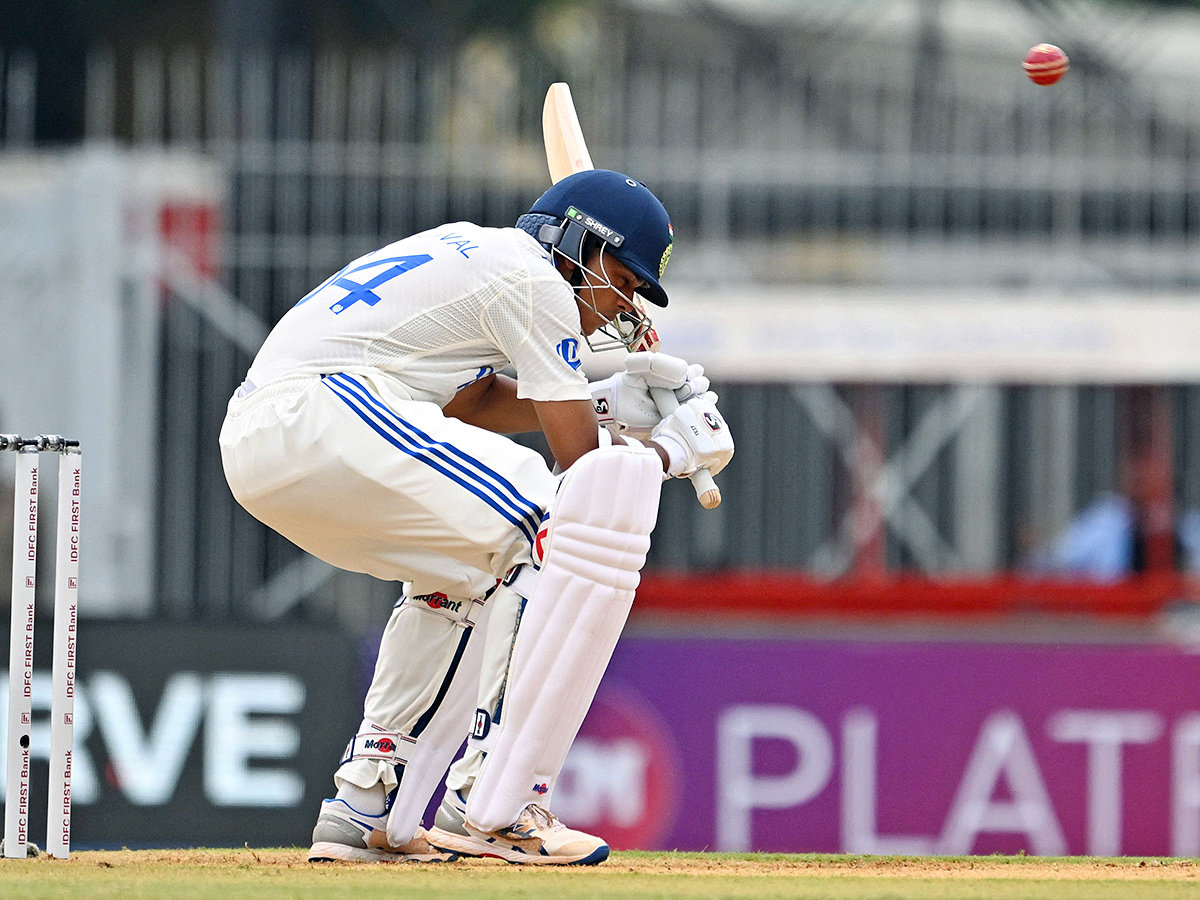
599	532
439	742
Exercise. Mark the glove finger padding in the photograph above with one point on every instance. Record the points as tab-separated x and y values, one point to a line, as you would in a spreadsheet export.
695	384
657	369
700	430
671	372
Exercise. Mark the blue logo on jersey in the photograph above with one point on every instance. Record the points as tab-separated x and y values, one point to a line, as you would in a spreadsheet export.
568	349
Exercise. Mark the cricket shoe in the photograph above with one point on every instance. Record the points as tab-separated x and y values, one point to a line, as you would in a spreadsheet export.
536	838
343	833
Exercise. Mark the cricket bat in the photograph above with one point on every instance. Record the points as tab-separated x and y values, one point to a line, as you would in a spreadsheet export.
566	154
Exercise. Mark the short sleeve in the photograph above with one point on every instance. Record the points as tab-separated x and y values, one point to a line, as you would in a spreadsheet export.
536	325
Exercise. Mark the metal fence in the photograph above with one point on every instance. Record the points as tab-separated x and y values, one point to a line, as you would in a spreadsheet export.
771	169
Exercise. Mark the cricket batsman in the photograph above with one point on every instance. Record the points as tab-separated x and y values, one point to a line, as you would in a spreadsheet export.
370	431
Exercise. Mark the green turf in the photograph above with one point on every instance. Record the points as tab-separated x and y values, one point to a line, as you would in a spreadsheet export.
277	874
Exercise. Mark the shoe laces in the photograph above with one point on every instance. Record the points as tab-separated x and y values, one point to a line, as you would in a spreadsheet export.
542	817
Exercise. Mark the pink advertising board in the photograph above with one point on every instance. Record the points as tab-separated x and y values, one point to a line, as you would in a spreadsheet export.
891	747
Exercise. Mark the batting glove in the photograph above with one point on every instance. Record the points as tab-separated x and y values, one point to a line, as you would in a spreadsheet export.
695	436
665	371
623	402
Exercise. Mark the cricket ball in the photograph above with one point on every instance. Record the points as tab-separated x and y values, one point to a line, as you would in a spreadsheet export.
1045	64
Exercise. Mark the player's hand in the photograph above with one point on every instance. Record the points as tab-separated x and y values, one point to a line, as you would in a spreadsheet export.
665	371
696	385
624	405
701	435
623	401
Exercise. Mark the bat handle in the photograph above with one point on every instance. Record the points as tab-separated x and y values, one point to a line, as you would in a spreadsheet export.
707	491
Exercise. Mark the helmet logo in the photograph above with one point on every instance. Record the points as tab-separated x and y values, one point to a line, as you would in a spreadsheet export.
666	258
596	227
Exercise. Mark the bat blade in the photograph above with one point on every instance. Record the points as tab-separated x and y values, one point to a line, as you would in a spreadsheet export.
566	150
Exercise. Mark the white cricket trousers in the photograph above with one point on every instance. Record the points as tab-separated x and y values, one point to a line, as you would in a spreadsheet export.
350	469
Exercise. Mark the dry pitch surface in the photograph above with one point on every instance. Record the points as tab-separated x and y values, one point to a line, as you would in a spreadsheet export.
283	873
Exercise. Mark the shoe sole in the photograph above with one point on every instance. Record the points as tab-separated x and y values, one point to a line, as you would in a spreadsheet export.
329	851
469	845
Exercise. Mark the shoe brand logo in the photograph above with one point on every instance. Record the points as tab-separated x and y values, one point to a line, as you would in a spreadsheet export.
483	724
541	788
438	600
383	745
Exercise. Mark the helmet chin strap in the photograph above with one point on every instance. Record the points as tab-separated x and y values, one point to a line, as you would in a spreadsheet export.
625	329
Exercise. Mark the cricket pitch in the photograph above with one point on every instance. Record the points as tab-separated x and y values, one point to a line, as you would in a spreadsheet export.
273	873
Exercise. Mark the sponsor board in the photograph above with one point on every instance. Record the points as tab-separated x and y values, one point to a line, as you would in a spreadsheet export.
795	745
838	746
197	736
622	775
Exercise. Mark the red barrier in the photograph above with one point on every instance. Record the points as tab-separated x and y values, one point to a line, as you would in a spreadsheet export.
754	593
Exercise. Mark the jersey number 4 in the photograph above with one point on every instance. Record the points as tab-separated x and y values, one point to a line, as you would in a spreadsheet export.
365	292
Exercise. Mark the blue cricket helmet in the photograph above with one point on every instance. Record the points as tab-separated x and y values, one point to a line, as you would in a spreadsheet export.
617	209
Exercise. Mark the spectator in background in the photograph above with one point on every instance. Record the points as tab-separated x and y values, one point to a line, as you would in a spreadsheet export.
1120	534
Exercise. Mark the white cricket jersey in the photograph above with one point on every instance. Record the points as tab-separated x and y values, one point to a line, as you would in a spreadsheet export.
437	311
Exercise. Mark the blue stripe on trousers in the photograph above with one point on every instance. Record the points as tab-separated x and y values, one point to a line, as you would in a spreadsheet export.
439	460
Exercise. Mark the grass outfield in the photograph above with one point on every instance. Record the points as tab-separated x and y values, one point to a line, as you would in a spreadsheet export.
275	874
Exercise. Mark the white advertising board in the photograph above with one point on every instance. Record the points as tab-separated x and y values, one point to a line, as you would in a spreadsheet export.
812	334
81	250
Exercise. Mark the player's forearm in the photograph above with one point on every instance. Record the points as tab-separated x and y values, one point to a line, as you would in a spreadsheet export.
492	404
570	427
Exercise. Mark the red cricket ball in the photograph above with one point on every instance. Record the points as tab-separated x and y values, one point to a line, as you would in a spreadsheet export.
1045	64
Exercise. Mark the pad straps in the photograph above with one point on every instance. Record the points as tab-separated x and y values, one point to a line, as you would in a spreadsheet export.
522	579
464	613
390	747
